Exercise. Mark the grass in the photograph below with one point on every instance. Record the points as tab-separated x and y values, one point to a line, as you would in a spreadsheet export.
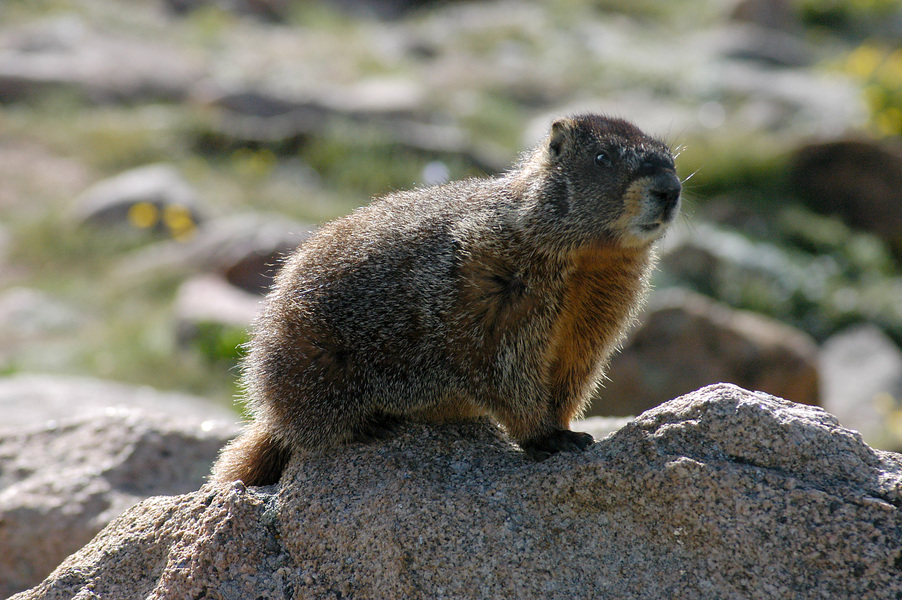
123	334
108	138
725	162
128	332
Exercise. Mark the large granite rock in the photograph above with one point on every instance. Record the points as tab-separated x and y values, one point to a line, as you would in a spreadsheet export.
722	493
686	341
212	299
394	111
71	56
246	248
773	14
75	452
62	482
859	180
861	378
33	400
153	197
208	305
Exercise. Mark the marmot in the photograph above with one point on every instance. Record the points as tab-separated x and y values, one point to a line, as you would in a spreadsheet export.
500	297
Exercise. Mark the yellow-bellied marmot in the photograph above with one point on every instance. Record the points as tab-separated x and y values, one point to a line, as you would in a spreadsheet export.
502	297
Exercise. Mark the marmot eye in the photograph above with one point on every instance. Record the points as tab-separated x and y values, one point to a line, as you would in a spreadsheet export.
602	159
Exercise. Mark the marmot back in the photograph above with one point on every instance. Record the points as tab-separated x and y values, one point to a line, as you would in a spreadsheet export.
502	297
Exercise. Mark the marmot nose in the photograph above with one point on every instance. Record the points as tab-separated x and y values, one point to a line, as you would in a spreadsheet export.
666	188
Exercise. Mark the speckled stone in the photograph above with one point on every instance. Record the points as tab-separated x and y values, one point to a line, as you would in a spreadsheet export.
722	493
63	480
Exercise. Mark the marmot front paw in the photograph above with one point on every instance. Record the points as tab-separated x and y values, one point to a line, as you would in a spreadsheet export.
562	440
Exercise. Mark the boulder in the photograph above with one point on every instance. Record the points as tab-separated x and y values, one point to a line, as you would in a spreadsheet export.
63	481
153	197
36	326
686	341
858	180
725	264
390	112
67	55
772	14
275	11
722	493
823	277
861	379
209	301
5	242
30	400
27	312
383	9
768	46
246	249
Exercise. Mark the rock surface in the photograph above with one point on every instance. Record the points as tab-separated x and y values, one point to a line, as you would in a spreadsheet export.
859	180
66	54
722	493
861	378
775	14
209	300
25	312
686	341
247	249
35	400
154	197
62	482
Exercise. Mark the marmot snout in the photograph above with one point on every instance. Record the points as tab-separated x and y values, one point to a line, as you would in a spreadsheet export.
500	297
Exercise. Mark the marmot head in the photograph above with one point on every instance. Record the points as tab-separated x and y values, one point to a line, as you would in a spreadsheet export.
611	182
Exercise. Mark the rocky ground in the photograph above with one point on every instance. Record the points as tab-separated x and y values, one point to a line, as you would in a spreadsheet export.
722	493
157	160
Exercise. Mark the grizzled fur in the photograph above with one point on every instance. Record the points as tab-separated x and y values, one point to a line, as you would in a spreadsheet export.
502	297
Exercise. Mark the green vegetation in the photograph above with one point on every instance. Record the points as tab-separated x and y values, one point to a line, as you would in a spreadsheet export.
855	18
879	69
486	79
724	162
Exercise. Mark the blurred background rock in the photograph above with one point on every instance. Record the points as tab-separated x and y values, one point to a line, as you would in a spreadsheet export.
157	158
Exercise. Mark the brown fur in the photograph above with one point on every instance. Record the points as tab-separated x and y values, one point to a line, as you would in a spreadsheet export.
501	297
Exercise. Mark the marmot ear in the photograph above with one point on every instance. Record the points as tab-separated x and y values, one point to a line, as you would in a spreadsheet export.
557	140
